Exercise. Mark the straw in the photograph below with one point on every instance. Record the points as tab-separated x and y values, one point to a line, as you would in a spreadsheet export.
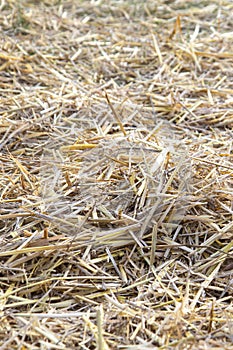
116	175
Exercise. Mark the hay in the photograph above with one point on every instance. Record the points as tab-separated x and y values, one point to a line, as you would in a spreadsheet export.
116	175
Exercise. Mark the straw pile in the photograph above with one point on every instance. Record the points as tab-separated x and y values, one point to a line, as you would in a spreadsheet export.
116	174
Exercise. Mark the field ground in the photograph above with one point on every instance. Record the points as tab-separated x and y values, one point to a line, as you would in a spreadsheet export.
116	174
